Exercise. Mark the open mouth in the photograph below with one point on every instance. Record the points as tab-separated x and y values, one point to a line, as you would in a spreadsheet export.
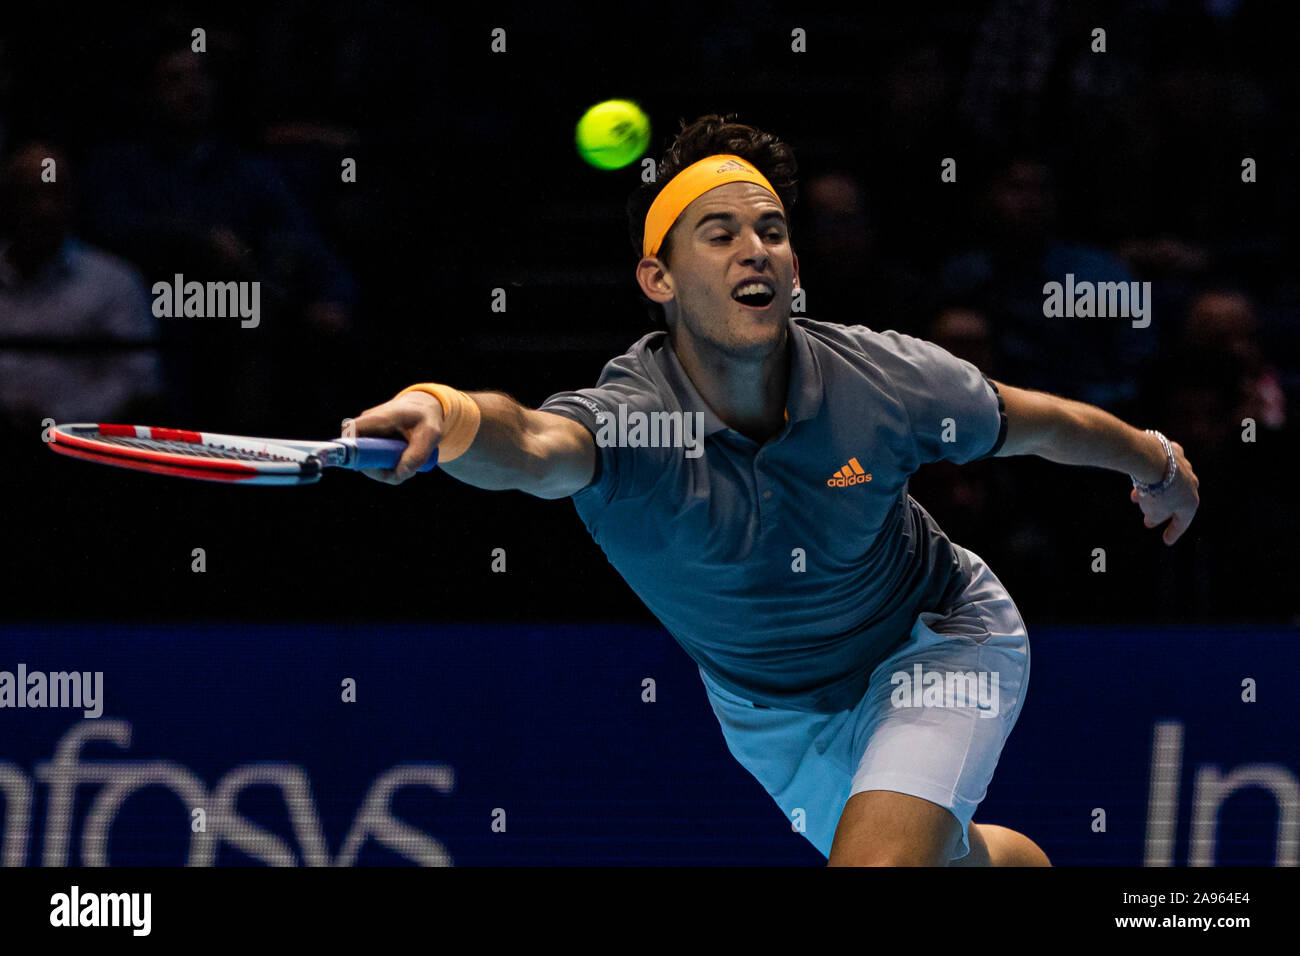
754	293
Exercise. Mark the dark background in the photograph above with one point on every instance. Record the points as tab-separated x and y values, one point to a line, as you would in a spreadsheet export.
468	181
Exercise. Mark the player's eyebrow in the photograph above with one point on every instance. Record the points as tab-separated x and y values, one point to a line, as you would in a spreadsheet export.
730	217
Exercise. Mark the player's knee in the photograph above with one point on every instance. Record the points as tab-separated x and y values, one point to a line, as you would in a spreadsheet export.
1010	848
1032	854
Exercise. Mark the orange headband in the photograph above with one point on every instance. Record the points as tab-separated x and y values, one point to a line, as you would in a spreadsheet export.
691	183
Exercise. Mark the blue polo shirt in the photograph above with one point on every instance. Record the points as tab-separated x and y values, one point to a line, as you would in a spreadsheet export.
781	568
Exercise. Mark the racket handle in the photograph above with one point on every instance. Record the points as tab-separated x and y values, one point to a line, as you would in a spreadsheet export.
383	453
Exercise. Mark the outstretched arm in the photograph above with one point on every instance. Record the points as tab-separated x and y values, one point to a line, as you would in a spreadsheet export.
1074	433
546	455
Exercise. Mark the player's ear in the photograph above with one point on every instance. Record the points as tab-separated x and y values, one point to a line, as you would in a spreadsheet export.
796	268
652	276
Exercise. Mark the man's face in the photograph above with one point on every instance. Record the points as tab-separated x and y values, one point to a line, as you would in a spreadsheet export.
183	92
1022	199
38	214
726	244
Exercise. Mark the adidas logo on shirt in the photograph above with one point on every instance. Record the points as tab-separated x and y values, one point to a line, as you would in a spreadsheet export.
850	474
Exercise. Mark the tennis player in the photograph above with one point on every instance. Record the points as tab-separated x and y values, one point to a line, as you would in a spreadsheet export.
777	541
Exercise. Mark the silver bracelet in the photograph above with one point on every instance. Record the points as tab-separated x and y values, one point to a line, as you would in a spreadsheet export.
1154	490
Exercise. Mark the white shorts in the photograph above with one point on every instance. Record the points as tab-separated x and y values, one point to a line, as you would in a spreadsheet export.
944	750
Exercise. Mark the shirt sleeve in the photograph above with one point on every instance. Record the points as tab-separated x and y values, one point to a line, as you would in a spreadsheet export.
578	406
619	470
954	411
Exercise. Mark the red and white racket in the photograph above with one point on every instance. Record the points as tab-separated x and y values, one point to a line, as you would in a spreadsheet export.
235	459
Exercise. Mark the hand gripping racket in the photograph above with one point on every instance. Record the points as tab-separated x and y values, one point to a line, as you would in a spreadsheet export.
235	459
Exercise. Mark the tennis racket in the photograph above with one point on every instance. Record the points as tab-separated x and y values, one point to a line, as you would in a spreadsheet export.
234	459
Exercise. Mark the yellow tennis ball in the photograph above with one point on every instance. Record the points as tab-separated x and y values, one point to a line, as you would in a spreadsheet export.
612	134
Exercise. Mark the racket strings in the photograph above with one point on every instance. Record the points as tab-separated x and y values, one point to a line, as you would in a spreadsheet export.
191	449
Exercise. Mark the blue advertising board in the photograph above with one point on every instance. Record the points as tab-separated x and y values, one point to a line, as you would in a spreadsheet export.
481	744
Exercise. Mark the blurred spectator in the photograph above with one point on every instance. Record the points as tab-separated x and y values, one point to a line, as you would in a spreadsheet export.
966	333
1200	397
1223	323
849	276
1176	268
1094	359
1010	58
185	200
76	330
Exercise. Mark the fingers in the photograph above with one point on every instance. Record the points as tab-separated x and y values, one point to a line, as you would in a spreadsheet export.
1175	530
416	418
1154	511
1179	520
422	441
416	454
399	417
375	423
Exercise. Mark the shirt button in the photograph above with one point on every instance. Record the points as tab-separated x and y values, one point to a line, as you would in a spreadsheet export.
767	494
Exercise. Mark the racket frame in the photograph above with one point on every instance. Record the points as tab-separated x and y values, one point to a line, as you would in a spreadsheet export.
280	461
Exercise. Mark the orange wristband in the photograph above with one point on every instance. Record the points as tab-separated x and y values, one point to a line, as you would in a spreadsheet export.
461	417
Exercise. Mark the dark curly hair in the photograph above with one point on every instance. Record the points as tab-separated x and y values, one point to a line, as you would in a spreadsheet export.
708	136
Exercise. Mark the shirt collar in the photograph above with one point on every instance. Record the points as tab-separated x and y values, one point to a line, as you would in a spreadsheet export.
802	402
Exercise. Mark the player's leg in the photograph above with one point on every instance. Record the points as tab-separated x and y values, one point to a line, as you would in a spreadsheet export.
814	765
992	845
875	826
923	764
884	828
